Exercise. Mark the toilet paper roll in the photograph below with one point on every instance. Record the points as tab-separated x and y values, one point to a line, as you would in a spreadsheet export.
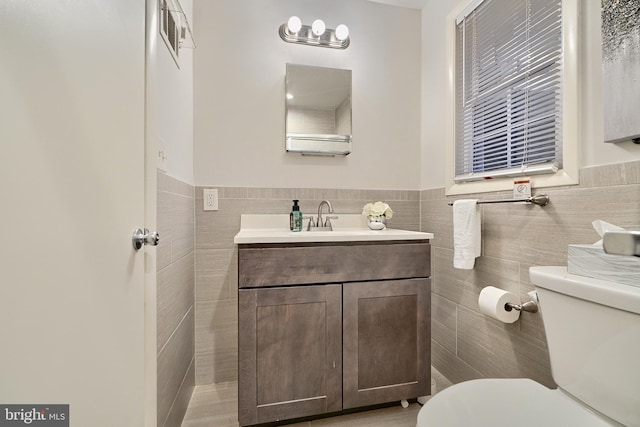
492	303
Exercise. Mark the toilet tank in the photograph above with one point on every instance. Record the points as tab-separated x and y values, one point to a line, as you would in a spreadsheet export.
593	334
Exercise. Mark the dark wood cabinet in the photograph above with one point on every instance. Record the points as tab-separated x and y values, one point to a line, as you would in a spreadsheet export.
386	341
290	363
320	335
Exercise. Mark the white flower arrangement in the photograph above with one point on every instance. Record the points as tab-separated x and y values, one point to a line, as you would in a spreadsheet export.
377	209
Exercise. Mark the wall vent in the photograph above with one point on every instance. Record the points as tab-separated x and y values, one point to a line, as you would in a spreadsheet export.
174	28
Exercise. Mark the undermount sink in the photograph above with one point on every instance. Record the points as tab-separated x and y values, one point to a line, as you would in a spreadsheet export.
274	228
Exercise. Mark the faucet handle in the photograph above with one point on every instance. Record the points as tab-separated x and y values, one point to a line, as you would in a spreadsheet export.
311	222
327	221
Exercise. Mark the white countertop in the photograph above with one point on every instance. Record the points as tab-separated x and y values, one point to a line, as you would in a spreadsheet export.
274	228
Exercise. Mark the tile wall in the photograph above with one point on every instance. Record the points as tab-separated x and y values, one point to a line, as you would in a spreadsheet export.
175	299
468	345
465	344
216	259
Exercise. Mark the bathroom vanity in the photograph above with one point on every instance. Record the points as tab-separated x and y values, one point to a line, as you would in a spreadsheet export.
331	320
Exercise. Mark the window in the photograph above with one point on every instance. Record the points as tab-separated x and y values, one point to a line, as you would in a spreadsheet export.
510	90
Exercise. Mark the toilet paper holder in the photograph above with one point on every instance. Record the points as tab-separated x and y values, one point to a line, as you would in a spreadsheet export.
529	307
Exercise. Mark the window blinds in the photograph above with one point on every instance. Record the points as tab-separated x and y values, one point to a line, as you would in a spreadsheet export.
508	89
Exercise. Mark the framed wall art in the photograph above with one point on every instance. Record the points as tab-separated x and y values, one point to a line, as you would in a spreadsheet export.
621	70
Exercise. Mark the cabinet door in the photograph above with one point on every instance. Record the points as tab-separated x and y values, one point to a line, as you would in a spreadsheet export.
290	352
386	340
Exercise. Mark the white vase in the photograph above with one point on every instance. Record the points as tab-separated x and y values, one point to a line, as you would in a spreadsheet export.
377	222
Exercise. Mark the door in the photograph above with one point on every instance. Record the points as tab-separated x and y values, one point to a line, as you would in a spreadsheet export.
386	341
290	352
72	319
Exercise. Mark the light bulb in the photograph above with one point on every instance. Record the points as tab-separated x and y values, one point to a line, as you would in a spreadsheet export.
318	27
294	24
342	32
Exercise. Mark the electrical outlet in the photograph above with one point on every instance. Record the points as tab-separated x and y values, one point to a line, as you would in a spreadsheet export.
210	197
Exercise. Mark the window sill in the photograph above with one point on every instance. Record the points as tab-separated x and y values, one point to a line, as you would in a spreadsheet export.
560	178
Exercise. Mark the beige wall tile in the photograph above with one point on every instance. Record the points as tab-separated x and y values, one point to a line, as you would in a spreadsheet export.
219	366
216	274
632	172
499	350
214	401
182	226
452	367
163	228
231	193
216	326
406	215
173	363
464	286
175	220
175	296
443	322
605	175
326	194
182	188
436	217
216	229
163	181
183	397
220	338
450	283
516	237
434	193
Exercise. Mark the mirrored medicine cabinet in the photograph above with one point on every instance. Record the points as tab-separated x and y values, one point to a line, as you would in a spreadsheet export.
318	110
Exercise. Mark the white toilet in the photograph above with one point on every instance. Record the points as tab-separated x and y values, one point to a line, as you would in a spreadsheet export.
593	333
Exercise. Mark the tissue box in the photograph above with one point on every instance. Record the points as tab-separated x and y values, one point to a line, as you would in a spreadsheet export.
592	261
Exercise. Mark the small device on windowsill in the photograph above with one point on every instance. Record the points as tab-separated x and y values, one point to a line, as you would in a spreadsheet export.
522	188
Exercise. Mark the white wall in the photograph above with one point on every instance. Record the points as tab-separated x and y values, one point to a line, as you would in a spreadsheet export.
173	89
239	71
593	151
434	92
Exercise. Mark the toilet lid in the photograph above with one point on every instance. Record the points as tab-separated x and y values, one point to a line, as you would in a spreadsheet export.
505	403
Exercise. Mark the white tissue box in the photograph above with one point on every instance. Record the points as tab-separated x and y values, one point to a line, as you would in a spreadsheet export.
592	261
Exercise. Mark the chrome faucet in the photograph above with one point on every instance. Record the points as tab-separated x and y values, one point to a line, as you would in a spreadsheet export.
319	223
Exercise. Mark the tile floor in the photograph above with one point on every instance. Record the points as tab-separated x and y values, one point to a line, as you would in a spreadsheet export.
216	405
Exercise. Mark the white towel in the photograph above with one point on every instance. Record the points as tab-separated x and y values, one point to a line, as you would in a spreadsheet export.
466	233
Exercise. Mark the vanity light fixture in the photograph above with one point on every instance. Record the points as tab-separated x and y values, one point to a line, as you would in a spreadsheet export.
293	31
294	24
342	32
318	27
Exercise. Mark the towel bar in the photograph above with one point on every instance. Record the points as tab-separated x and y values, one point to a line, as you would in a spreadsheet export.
538	199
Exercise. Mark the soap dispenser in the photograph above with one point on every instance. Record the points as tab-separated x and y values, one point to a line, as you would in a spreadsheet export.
295	217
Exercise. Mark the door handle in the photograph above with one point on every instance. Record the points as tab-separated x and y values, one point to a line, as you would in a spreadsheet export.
144	237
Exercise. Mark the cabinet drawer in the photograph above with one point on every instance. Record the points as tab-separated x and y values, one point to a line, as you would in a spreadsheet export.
278	265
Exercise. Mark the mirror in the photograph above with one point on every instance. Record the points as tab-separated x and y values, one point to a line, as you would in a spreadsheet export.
318	110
